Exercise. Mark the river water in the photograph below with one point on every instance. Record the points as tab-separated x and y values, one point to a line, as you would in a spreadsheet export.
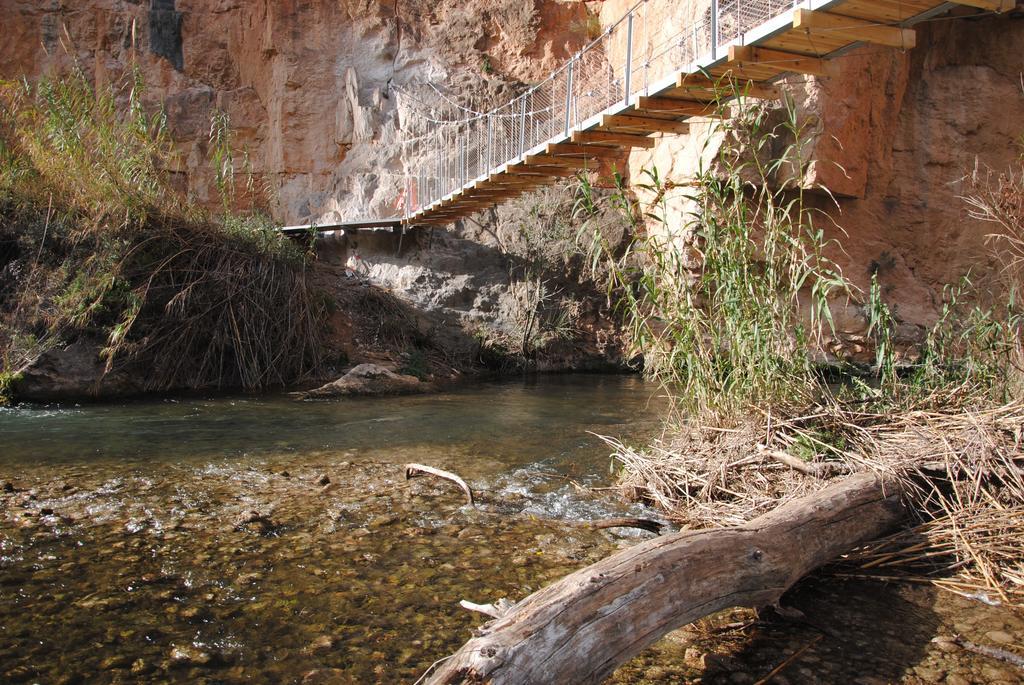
128	552
264	540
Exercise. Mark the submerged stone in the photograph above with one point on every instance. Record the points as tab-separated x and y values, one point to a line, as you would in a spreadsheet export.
189	655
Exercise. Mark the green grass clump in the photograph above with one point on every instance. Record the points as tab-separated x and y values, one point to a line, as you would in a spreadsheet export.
99	245
727	308
8	383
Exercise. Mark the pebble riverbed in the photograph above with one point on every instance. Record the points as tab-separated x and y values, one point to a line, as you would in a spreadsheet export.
324	565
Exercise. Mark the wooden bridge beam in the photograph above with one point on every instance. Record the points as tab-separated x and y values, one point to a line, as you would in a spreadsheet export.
848	28
538	179
609	138
990	5
542	170
676	106
725	87
649	124
570	150
514	183
571	162
747	57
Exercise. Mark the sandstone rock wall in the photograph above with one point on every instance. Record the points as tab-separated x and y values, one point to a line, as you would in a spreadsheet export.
900	136
316	90
895	137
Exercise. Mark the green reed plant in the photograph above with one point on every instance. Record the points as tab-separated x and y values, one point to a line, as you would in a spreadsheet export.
973	346
728	306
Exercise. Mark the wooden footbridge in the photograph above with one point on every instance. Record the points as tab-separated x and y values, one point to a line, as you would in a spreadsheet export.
635	80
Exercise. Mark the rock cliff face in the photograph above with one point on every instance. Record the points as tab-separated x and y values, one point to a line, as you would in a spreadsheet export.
896	137
318	93
901	135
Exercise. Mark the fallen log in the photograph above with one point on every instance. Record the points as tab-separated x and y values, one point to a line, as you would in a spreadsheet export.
582	627
412	470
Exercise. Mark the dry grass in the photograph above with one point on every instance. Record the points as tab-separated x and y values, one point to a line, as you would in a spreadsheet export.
733	343
97	244
963	470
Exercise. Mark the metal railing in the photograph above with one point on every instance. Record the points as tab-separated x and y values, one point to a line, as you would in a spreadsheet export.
626	60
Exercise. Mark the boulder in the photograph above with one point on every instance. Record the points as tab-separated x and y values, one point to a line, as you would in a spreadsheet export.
368	379
73	372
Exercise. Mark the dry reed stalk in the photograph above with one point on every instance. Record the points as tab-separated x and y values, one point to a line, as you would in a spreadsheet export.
963	470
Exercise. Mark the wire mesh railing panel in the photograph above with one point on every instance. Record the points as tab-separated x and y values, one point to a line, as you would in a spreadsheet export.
627	59
671	50
736	17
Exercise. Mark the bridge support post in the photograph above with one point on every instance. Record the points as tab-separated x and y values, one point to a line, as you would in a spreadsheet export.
629	58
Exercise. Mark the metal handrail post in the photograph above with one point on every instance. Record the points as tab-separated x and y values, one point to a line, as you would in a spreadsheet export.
522	127
568	95
490	140
714	29
629	56
647	53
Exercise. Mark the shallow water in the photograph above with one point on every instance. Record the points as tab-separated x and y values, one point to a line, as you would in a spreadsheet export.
128	550
195	540
489	427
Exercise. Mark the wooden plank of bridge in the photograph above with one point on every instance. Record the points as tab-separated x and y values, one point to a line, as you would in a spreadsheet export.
571	162
491	188
675	106
518	184
542	170
823	24
803	43
687	84
475	201
459	212
643	123
609	138
754	58
488	194
990	5
882	11
572	150
512	178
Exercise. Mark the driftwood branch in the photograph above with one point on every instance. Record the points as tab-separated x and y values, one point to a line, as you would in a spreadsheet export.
991	652
643	524
496	610
412	470
582	627
798	464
